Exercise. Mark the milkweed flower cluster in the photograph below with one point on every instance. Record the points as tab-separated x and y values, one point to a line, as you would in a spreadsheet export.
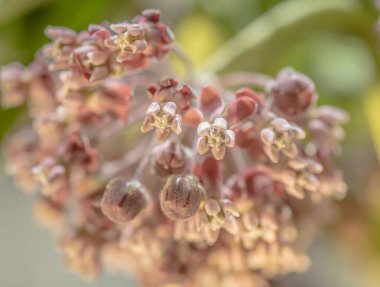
186	184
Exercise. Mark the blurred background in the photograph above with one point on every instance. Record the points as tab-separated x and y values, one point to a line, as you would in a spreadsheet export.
332	41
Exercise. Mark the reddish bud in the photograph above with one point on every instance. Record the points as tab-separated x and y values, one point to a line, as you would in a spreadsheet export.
123	200
293	92
180	197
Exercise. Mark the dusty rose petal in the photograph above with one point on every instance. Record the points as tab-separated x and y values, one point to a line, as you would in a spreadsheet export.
147	125
231	225
291	150
202	146
273	155
192	117
240	109
99	73
296	192
119	28
176	124
98	57
219	152
210	100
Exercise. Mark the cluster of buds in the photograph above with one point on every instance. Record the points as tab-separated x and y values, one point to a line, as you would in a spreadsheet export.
215	197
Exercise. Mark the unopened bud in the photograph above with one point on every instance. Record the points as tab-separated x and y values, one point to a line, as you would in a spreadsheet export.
123	200
180	197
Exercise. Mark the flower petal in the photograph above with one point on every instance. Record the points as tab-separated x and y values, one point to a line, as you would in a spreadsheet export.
153	108
202	146
203	129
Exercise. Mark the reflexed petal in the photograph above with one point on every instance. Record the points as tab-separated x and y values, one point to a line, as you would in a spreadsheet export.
312	184
170	108
267	136
297	164
291	150
200	220
202	146
212	207
203	129
250	220
220	123
315	167
231	225
219	153
211	235
153	108
230	138
135	30
228	206
111	42
176	124
139	46
147	124
296	192
298	132
273	155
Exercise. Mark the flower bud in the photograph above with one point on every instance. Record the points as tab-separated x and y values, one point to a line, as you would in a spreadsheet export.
293	92
169	158
123	200
180	197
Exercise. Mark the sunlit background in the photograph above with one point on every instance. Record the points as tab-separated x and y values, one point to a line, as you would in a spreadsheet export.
332	41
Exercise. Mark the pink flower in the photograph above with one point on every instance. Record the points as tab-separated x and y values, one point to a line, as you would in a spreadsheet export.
215	136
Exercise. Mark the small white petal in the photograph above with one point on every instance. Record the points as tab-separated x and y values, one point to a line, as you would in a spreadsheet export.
153	108
267	136
203	129
280	124
220	123
170	108
230	138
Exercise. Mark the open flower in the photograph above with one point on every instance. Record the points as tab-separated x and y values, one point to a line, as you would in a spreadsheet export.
215	136
215	215
163	118
279	137
302	177
129	39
